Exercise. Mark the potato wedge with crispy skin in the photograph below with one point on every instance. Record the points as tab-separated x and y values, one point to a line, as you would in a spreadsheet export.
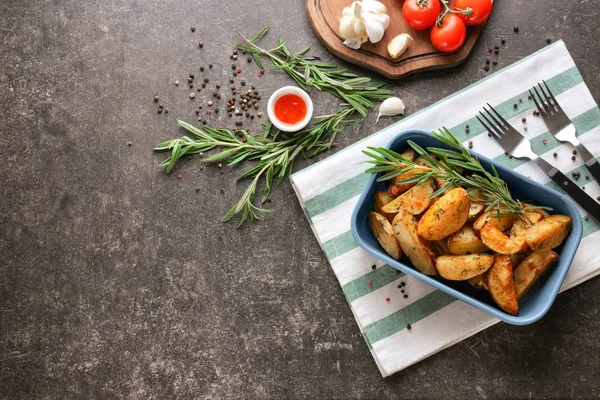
446	216
395	190
475	210
419	251
501	221
415	200
381	199
461	268
382	229
548	233
531	269
465	241
497	241
502	285
517	231
479	281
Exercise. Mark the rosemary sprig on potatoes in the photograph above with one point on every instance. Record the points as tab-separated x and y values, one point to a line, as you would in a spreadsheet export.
454	167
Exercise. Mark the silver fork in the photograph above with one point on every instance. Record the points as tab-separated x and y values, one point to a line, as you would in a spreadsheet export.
561	126
518	146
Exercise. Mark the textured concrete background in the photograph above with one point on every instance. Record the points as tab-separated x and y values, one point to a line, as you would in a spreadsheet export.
118	281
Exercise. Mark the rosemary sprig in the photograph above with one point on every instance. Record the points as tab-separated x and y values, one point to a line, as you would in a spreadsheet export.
446	166
359	92
273	151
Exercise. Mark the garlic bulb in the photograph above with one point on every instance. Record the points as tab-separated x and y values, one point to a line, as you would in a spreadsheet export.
362	21
398	45
389	107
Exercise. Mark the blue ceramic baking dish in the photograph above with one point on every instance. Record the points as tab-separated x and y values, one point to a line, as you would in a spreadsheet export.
536	303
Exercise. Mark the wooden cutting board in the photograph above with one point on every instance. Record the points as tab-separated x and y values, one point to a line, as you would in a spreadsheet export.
324	16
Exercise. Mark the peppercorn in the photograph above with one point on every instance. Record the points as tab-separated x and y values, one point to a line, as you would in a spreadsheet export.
523	120
574	151
210	65
201	69
159	110
555	155
403	284
515	106
160	106
176	83
373	267
548	40
201	44
243	83
129	143
235	57
490	49
156	99
516	28
234	73
487	60
496	52
233	66
406	296
587	177
239	70
222	191
249	59
408	327
573	158
192	95
520	100
193	29
503	41
166	111
206	80
487	68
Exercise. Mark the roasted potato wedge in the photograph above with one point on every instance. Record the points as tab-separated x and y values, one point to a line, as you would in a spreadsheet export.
501	221
441	247
382	229
461	268
381	199
446	216
548	233
415	200
476	196
474	210
465	241
395	190
479	281
502	285
497	241
533	208
419	251
517	231
531	269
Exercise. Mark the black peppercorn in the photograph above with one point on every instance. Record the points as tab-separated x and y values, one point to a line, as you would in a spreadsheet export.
516	28
201	44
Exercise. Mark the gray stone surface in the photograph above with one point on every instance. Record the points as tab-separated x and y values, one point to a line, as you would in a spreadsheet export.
118	281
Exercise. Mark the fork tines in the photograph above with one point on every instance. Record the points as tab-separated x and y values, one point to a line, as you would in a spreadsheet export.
493	128
550	105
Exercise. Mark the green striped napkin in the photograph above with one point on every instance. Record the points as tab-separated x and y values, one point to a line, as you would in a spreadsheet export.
329	190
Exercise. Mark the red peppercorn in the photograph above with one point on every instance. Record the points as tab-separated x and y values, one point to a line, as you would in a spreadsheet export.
490	49
370	283
388	299
239	70
208	112
179	176
260	73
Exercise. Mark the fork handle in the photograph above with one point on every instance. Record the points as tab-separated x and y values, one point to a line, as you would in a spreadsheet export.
580	196
594	167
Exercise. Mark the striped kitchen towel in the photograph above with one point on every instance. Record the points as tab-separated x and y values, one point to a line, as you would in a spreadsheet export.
329	190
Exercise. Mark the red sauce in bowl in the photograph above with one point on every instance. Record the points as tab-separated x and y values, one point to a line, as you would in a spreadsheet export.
290	109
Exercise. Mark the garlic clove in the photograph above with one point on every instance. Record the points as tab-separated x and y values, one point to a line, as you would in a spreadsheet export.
374	6
398	45
353	43
389	107
375	25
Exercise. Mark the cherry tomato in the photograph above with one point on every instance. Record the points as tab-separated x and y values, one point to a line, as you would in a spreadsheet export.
421	14
481	10
450	36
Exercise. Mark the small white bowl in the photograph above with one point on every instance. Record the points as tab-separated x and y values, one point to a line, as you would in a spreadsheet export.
284	126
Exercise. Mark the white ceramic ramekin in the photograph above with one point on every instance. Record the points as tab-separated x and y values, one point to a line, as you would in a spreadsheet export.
283	125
